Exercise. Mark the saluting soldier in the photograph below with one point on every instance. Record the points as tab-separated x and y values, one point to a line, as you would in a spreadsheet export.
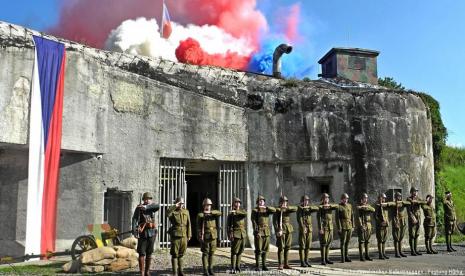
449	220
283	229
345	225
325	227
382	224
237	234
304	219
414	215
429	224
180	233
206	227
261	232
364	211
145	230
399	223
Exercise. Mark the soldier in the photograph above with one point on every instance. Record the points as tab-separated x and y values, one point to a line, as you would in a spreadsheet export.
237	234
449	220
345	225
304	219
382	224
206	227
325	227
414	215
261	232
364	211
429	224
398	227
180	233
145	230
283	229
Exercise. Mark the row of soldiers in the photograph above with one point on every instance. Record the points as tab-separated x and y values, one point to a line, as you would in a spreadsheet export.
346	220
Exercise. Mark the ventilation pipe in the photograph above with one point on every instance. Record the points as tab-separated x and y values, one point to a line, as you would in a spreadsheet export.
278	52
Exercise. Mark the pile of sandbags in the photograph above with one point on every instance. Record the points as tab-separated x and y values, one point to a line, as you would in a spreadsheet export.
107	258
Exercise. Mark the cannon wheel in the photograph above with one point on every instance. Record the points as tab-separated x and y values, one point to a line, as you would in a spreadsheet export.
82	244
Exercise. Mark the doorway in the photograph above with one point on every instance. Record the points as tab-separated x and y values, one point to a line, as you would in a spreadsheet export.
199	186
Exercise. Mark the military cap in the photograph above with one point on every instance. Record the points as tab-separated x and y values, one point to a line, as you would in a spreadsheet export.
364	195
344	195
236	199
147	195
207	201
413	189
260	197
305	197
283	198
179	199
448	193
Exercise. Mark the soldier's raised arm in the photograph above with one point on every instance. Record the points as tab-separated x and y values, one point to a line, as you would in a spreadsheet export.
189	230
216	213
291	209
270	210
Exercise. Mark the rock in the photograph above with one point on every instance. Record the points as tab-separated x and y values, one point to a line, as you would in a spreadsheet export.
119	264
97	254
72	266
92	268
130	242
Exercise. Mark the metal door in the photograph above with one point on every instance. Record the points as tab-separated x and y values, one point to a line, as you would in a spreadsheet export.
231	184
172	183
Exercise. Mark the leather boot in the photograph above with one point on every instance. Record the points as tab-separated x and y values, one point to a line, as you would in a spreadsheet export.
238	263
343	252
400	250
431	247
174	265
233	264
367	255
396	249
264	268
280	259
380	251
323	254
180	267
412	247
428	249
360	252
384	250
415	246
257	262
301	257
142	265
204	264
286	259
328	261
346	254
306	260
210	265
148	262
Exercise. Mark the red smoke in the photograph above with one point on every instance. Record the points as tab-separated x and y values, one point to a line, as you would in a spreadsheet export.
292	23
189	51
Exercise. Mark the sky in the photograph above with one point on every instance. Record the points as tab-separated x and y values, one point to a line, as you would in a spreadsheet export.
422	43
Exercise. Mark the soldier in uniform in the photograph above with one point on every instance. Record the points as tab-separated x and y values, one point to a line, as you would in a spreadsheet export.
414	214
206	227
382	224
180	233
237	234
283	229
449	220
260	221
325	227
399	223
429	224
345	225
144	229
364	211
304	219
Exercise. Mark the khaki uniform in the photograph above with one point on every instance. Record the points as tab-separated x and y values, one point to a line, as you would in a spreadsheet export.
382	224
237	235
429	225
180	233
260	222
364	229
399	224
450	219
345	226
304	219
414	216
284	241
206	227
325	223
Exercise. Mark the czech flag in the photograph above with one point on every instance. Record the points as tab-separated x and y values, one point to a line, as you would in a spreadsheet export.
166	28
44	145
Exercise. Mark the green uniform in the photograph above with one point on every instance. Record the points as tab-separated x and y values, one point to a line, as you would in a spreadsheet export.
364	229
345	226
399	224
260	221
237	235
382	224
429	225
449	222
180	233
206	227
414	216
325	224
304	219
284	241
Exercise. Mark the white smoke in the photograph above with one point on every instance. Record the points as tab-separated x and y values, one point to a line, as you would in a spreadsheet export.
142	37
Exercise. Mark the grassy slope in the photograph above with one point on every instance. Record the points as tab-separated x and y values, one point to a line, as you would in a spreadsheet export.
454	177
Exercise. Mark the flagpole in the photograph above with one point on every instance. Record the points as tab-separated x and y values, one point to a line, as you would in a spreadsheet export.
162	14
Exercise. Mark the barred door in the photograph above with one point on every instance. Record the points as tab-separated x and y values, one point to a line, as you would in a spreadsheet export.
172	183
231	184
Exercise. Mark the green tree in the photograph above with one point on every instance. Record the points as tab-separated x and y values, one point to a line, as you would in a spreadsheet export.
390	83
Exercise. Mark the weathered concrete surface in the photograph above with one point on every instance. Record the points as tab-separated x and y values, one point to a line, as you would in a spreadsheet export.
132	111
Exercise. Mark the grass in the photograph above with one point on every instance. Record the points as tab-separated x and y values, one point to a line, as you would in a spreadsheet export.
48	269
454	181
456	238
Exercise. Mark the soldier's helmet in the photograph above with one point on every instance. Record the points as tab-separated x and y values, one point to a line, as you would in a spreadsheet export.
324	195
207	201
304	197
398	195
283	199
236	199
364	195
382	195
260	197
413	189
147	195
344	195
428	196
179	199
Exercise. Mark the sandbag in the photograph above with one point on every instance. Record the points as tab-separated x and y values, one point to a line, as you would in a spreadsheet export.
97	254
119	264
72	266
130	242
104	262
123	252
92	268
